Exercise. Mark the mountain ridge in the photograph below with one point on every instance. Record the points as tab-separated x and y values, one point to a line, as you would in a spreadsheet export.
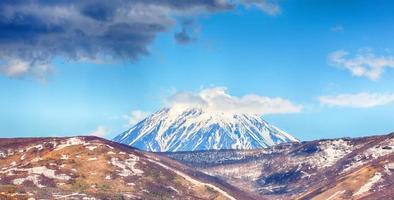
343	168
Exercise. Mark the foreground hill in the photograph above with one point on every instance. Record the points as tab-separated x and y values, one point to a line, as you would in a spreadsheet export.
94	168
180	128
361	168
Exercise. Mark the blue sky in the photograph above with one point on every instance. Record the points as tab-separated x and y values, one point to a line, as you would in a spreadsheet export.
333	58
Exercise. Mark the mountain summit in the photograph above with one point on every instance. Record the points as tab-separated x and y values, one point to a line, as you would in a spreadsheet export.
183	128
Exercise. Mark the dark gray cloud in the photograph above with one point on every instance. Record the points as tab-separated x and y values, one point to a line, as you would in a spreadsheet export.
187	33
34	32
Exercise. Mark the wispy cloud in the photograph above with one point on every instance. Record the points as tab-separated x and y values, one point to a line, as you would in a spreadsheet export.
363	64
337	28
15	67
187	33
135	116
359	100
18	68
100	131
270	7
218	99
33	33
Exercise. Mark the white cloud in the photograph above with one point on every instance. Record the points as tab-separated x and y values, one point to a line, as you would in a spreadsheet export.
217	99
360	100
100	131
135	117
15	67
337	28
19	68
270	7
365	63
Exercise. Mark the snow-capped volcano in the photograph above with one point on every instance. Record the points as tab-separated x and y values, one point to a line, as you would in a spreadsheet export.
181	128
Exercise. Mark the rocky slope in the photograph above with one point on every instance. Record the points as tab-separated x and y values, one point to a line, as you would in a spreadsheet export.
94	168
188	128
360	168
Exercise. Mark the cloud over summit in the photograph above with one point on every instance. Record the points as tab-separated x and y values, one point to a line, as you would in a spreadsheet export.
217	99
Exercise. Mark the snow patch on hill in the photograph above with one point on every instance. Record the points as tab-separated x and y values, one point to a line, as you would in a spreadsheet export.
372	181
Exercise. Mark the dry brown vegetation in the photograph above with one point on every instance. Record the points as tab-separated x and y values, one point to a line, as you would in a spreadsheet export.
93	168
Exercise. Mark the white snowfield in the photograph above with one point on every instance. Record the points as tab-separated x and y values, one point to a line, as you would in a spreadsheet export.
91	148
75	195
34	174
331	152
71	142
384	148
180	128
372	181
127	167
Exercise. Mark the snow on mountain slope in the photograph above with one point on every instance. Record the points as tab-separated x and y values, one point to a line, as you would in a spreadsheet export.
182	128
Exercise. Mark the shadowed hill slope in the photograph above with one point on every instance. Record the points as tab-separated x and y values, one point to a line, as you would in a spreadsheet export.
359	168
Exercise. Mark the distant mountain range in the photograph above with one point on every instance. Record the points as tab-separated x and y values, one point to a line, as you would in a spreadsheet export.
181	128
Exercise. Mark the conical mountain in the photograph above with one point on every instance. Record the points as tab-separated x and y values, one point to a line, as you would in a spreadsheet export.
180	128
